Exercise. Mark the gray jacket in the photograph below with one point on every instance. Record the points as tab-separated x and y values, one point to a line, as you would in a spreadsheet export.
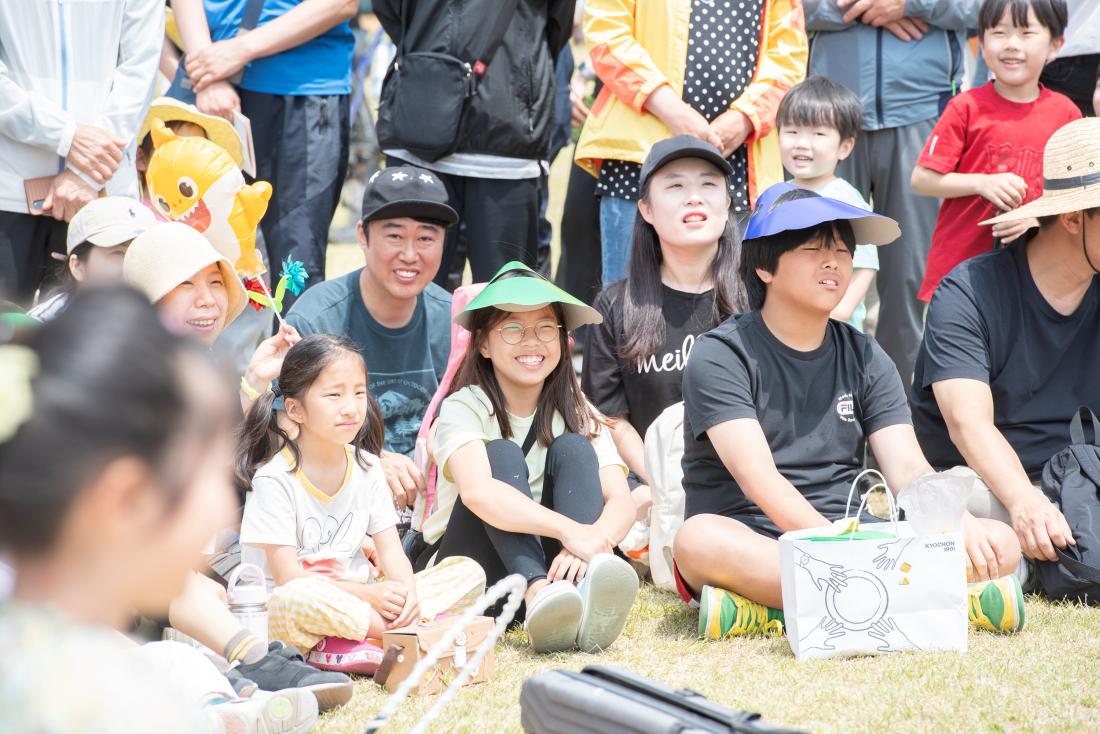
899	82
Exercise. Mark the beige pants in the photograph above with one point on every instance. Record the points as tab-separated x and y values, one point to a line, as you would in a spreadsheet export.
983	503
306	610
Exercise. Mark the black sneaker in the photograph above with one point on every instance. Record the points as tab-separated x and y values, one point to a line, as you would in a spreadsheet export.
243	687
284	667
1030	577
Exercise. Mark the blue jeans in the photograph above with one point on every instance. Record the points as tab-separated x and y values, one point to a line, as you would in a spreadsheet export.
617	234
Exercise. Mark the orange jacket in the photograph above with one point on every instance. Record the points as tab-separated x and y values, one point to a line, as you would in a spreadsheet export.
638	45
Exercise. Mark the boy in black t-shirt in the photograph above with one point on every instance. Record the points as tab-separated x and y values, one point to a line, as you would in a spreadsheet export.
778	405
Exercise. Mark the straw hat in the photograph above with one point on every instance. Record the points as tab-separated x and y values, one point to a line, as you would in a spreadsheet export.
218	130
1071	173
167	254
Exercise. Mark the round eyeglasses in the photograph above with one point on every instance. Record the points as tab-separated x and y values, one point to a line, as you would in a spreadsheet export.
513	333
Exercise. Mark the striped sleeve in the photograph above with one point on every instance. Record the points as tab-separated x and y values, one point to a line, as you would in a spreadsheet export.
781	64
619	60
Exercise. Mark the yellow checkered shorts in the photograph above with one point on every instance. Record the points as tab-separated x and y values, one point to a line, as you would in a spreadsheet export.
306	610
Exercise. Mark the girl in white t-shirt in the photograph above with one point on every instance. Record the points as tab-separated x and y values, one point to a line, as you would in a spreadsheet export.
529	479
316	497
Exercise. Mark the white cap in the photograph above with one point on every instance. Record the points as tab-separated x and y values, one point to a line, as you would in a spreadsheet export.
107	222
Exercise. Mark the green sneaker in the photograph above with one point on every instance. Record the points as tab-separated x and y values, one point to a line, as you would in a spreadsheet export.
725	614
997	605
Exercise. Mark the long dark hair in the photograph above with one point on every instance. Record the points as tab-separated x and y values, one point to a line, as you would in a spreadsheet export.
561	392
111	383
643	317
260	438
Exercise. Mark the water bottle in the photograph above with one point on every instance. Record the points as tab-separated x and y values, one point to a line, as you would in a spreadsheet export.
248	599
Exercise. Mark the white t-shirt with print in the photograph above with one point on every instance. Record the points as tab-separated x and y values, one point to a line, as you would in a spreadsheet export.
285	508
466	416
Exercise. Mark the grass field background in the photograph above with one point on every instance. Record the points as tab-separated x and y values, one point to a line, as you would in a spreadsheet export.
1041	680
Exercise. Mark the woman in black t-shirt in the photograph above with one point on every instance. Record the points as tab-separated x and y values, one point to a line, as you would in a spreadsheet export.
682	282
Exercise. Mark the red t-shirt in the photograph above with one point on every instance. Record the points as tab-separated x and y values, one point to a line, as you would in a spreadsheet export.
982	132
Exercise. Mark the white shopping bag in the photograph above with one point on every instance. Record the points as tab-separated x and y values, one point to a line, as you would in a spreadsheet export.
852	590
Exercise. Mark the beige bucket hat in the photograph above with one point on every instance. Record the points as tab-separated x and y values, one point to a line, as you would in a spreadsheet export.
1071	173
167	254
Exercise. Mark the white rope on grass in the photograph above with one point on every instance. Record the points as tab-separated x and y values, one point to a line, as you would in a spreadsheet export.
514	587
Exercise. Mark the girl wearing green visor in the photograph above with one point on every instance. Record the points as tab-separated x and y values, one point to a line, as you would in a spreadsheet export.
529	480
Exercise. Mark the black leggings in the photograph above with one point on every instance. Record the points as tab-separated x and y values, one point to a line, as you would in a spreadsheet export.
570	487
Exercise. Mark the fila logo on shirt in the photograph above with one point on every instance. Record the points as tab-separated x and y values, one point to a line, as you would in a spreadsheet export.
846	408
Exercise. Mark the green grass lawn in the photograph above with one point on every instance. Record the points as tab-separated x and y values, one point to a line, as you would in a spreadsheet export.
1041	680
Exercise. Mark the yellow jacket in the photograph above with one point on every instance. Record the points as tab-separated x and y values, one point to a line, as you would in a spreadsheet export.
638	45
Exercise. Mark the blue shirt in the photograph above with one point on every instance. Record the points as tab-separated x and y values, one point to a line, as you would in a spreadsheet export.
318	66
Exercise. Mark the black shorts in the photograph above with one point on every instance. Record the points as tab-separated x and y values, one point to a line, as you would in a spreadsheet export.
763	525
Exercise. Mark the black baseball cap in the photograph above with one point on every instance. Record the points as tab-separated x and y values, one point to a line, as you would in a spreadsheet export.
406	191
681	146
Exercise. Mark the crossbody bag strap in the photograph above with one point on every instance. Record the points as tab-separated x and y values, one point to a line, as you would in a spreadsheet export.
1077	427
1083	570
249	19
485	46
529	440
251	16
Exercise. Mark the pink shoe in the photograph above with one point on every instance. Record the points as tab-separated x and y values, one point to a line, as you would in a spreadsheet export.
346	656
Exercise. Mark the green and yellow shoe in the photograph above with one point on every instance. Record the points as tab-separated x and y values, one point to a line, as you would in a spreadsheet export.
997	605
725	614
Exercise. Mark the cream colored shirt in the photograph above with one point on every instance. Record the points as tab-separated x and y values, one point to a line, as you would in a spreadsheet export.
467	416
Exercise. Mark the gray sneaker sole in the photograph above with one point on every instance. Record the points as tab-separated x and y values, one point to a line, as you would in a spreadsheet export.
611	588
552	625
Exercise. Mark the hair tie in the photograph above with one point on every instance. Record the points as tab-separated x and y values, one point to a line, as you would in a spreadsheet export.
275	390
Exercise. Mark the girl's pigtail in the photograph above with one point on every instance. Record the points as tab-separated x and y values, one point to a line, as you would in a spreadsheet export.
258	439
372	436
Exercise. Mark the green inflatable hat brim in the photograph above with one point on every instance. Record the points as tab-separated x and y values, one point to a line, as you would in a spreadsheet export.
521	293
15	321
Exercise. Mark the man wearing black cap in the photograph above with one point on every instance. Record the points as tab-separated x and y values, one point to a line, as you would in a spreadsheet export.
398	318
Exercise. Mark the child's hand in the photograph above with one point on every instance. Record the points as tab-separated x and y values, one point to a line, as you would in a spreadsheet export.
1011	231
585	541
267	360
1003	190
410	613
387	598
567	567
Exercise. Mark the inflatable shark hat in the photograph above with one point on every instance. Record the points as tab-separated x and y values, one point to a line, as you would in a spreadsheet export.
775	214
518	288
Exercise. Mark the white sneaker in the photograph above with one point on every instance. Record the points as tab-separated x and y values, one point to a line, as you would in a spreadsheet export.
607	590
554	617
290	711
